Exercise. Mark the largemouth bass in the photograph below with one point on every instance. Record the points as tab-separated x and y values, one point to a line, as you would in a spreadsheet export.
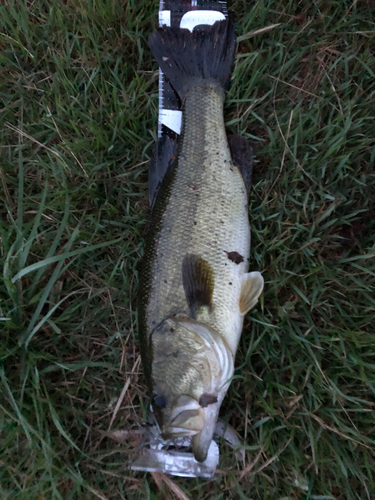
195	289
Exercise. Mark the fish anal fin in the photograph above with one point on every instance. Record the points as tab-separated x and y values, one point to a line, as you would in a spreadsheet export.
251	289
163	158
242	158
198	282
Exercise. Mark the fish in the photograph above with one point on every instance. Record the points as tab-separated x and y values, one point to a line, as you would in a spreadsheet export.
195	288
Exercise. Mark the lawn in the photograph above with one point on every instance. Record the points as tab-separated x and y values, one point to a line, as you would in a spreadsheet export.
78	114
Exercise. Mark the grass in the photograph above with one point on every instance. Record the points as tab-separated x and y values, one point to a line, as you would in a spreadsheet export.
78	115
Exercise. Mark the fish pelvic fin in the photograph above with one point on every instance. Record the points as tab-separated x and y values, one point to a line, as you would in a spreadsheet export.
206	53
251	289
198	280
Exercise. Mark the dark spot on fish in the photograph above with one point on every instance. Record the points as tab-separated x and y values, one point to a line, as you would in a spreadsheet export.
221	222
207	399
171	330
195	223
154	322
194	187
235	257
159	401
176	353
230	282
231	169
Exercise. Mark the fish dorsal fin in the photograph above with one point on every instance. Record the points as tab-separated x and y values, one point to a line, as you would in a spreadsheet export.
198	281
251	288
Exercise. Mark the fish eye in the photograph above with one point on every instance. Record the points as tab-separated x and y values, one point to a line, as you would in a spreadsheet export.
159	401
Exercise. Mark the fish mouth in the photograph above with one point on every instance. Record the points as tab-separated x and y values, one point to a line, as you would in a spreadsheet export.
201	441
187	418
191	419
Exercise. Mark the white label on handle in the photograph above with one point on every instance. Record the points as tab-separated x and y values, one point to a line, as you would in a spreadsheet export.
171	118
164	17
197	17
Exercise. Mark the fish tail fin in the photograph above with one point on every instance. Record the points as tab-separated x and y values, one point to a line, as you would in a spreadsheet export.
186	56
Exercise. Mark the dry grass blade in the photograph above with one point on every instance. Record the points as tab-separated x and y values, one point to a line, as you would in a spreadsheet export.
286	147
6	190
157	477
123	392
294	86
336	431
260	31
173	487
18	43
252	464
270	460
23	134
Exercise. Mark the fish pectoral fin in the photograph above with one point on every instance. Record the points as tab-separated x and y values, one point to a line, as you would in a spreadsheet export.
252	287
198	281
242	158
231	437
